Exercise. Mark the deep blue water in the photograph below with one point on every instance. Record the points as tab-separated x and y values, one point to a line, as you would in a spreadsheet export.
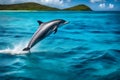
88	48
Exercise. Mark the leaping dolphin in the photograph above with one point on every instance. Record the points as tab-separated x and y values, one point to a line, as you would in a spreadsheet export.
45	29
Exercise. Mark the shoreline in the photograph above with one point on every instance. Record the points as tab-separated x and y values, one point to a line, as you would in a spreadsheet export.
51	11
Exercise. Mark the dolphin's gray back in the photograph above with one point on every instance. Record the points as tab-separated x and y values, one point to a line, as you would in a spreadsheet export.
44	30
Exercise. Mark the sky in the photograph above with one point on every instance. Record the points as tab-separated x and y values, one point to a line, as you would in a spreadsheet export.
96	5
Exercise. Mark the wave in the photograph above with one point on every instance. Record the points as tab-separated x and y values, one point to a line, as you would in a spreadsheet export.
94	62
116	32
17	49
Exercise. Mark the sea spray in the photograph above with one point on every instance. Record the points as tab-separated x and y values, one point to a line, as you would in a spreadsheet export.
17	49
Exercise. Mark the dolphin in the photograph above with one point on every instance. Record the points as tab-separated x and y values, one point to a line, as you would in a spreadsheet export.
44	30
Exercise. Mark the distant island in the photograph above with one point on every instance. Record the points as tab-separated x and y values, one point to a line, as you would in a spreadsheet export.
79	7
36	6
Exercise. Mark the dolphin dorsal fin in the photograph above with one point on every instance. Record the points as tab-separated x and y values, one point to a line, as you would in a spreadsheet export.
39	22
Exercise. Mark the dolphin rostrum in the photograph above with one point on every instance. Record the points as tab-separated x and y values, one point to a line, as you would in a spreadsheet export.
43	31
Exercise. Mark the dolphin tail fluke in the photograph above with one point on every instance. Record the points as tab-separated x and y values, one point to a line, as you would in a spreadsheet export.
26	49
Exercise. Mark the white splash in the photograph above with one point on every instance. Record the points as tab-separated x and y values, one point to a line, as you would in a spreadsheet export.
16	50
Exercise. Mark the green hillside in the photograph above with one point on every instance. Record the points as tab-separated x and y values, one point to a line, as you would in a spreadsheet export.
79	8
36	6
26	6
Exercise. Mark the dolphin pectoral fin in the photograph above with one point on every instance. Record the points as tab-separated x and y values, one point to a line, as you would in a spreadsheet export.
39	22
55	30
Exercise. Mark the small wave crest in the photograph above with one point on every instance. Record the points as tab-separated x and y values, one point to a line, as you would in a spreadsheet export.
17	49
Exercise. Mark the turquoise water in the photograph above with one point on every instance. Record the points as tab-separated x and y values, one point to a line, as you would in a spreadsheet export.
88	48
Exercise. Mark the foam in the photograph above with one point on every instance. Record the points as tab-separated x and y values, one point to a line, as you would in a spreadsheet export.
17	49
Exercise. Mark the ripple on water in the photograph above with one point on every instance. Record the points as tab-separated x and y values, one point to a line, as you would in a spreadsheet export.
87	46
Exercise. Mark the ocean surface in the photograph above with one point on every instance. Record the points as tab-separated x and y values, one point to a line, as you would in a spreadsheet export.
88	48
